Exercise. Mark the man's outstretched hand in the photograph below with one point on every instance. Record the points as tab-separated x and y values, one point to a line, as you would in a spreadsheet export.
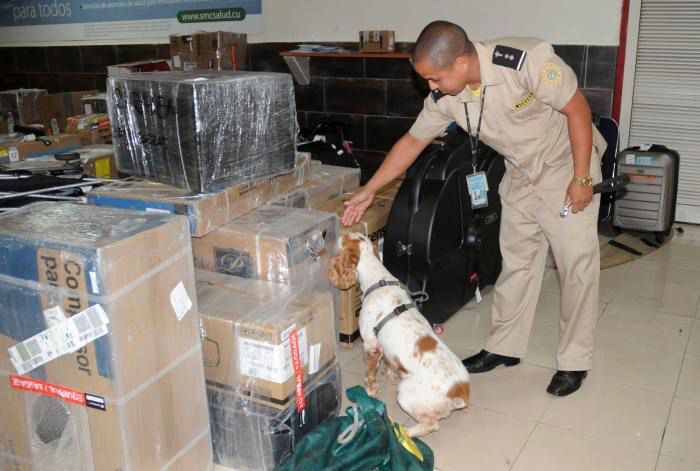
356	206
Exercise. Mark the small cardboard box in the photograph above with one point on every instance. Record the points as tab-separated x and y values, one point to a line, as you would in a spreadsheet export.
206	212
94	104
272	243
216	50
60	106
133	398
377	41
98	161
16	151
373	225
326	182
246	326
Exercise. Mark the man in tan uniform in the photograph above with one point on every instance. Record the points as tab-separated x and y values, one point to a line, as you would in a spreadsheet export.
535	116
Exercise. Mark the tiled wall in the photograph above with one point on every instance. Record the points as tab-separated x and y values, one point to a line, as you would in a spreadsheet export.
377	98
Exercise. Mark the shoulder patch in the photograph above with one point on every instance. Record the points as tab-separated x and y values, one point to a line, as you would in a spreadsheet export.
436	94
509	57
551	74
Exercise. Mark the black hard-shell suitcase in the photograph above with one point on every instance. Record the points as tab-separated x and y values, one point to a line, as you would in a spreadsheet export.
435	242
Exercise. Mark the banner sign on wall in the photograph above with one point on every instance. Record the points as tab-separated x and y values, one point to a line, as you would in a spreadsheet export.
69	20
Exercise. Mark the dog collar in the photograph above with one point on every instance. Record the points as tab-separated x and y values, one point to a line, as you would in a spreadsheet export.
381	284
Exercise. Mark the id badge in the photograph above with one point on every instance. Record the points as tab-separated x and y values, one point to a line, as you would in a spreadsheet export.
478	189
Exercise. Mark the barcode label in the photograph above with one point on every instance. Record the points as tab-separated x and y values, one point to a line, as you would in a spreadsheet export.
30	349
269	362
62	338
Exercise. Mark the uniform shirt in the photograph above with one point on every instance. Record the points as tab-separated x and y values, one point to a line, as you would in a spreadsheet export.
521	119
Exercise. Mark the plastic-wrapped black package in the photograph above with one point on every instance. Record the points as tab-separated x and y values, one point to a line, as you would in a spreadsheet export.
203	131
251	436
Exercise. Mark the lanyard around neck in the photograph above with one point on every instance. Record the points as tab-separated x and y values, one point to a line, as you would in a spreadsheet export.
474	140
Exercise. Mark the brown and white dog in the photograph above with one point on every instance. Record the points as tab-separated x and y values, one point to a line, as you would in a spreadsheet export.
433	380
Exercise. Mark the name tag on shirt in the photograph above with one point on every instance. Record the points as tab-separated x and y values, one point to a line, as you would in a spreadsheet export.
478	189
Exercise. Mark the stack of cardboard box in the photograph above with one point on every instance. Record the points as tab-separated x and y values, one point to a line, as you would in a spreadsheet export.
262	395
217	50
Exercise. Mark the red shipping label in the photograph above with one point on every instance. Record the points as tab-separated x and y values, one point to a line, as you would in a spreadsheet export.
47	389
298	371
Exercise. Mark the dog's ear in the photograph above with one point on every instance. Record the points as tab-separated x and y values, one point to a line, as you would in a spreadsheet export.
343	266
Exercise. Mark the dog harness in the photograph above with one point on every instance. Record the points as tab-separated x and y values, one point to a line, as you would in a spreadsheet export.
397	311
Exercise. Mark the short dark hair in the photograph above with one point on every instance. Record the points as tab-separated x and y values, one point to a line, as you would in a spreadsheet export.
441	42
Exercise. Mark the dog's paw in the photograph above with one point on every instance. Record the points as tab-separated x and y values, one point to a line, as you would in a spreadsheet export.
373	389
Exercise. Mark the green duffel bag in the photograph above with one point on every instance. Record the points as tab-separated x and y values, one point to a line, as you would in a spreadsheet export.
364	440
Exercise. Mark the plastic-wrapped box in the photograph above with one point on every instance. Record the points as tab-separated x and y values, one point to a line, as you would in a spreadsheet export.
250	329
114	379
23	104
326	182
272	243
251	436
203	131
207	211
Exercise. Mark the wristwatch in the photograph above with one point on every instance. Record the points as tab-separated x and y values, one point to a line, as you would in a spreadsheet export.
586	181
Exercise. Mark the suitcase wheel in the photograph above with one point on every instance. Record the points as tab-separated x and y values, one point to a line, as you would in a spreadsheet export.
438	328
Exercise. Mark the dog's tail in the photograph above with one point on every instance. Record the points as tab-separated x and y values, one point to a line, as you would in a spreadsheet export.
459	395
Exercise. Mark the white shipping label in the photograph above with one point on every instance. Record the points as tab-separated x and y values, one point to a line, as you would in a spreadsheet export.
14	154
268	362
157	210
64	337
180	301
93	281
314	358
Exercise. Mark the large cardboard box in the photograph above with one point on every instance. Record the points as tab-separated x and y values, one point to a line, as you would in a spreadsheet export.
326	182
60	106
133	398
203	131
377	41
373	225
246	327
206	212
272	243
23	104
216	50
16	151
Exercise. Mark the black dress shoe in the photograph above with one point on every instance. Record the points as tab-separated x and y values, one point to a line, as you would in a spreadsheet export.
565	382
486	361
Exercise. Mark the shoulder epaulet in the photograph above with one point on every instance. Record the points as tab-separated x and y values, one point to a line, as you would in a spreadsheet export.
507	56
436	94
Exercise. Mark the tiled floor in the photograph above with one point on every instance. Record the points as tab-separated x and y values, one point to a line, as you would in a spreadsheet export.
639	409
